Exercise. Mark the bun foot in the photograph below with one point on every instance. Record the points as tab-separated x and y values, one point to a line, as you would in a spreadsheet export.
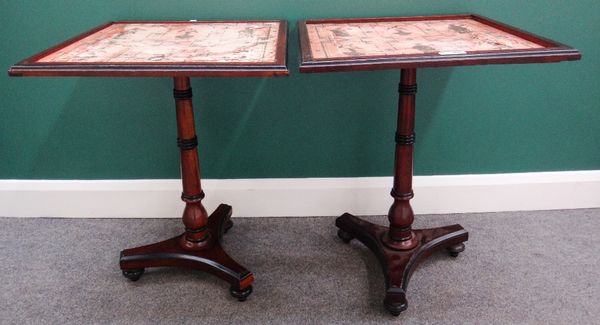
228	224
241	295
395	301
133	275
454	250
344	236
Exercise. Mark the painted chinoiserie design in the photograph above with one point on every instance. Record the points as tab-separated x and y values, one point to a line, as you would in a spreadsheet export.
409	37
405	44
176	49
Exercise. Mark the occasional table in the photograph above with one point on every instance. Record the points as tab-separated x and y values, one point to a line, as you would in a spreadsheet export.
408	43
177	49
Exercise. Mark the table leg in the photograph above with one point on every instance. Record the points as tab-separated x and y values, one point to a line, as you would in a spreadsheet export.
199	247
398	247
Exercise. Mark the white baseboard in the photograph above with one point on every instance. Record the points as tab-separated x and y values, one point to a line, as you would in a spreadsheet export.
301	196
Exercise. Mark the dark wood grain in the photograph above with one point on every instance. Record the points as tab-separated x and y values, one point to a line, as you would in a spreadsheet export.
194	215
400	215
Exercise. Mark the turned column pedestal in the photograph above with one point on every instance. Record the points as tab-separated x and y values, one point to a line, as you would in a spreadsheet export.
199	247
398	247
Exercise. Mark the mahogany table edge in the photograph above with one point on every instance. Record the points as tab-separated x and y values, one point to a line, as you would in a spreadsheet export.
28	72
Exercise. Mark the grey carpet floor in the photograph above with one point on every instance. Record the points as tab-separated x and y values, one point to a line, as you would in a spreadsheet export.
519	268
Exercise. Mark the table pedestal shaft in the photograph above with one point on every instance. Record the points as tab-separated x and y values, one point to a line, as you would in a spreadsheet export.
199	247
399	248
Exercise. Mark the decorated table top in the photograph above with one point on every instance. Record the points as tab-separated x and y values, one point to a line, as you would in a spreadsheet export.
402	42
167	48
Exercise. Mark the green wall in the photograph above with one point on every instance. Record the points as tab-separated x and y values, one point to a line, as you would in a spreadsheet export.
484	119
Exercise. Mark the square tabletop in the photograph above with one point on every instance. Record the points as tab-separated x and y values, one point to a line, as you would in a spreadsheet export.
167	48
420	41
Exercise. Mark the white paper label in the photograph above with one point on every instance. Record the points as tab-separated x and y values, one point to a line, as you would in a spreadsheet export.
452	52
